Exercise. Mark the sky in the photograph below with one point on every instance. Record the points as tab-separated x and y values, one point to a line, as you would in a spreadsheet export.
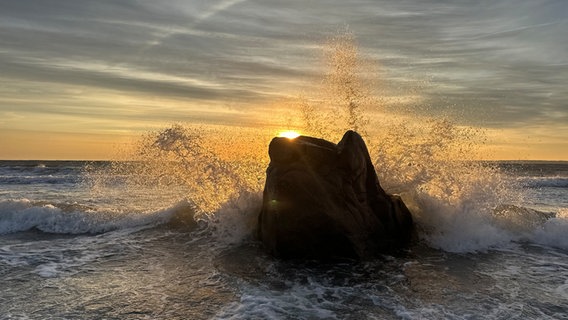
79	77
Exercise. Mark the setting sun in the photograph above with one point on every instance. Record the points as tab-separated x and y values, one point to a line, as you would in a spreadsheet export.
290	134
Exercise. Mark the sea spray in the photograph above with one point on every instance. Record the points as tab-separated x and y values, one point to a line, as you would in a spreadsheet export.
214	170
205	166
553	231
345	96
452	197
430	161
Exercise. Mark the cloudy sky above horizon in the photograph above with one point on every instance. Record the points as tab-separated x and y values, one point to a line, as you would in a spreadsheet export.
77	75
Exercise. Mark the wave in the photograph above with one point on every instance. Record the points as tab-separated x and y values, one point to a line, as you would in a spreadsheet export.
24	215
544	182
472	230
23	173
458	205
44	179
553	232
235	221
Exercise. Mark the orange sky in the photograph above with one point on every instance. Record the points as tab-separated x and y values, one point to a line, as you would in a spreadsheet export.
78	81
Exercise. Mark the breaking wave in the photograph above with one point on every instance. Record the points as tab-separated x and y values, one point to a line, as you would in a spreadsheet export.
544	182
459	204
24	215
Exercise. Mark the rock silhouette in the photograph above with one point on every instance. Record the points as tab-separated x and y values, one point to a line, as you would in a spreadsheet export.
323	200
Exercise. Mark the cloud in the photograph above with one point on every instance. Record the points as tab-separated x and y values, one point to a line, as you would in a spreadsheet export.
499	63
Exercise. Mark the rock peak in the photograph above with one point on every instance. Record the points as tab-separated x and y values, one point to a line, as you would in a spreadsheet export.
323	200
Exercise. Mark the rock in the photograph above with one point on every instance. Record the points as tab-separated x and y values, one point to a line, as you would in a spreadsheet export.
323	200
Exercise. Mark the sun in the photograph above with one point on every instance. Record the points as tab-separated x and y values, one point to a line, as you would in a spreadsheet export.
290	134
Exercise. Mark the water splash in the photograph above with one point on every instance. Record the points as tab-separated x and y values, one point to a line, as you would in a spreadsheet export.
205	166
457	202
428	160
345	97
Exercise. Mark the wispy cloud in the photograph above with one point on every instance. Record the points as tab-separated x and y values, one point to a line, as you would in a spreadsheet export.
189	28
502	64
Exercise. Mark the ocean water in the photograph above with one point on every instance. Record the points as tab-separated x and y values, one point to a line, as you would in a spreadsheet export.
70	250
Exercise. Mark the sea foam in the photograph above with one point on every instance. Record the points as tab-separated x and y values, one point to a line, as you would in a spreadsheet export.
553	232
459	204
23	215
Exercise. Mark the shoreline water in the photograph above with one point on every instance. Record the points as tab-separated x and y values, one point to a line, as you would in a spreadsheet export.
105	254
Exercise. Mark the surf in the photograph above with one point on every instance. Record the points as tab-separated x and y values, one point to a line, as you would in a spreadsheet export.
461	204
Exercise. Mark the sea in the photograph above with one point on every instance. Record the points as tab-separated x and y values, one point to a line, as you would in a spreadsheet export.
71	249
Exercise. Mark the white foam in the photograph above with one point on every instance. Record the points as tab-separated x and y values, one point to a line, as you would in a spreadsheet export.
554	231
472	227
459	222
562	290
23	215
48	270
237	218
311	301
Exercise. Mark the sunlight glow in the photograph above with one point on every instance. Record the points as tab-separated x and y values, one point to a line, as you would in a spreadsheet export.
290	134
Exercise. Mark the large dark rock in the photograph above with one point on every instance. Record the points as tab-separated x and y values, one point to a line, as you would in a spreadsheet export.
323	200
